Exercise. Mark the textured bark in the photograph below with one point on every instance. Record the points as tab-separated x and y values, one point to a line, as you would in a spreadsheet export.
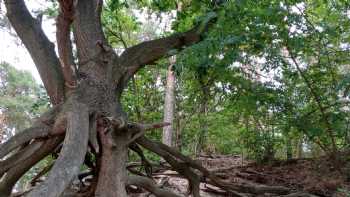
72	155
169	105
112	173
64	44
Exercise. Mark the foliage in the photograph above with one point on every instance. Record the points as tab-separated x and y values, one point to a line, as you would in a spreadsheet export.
21	98
274	72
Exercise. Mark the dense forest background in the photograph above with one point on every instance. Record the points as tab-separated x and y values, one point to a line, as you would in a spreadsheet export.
269	81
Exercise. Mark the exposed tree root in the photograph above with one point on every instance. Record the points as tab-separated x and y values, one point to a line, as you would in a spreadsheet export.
14	173
72	155
19	156
40	129
36	178
183	165
149	185
21	138
299	194
145	163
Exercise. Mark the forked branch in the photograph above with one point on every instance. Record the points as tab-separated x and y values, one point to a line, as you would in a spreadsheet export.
149	52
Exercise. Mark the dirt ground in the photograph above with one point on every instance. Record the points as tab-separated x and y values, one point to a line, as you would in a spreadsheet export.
314	177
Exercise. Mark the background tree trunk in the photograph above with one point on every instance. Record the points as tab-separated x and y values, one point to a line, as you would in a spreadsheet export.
289	149
300	148
203	124
169	104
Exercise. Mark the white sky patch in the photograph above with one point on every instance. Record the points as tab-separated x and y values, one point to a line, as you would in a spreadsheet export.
298	8
11	48
162	21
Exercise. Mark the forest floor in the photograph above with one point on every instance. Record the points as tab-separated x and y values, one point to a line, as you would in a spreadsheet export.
316	177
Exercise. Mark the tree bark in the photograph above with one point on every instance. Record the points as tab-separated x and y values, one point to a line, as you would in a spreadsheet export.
169	104
72	155
91	109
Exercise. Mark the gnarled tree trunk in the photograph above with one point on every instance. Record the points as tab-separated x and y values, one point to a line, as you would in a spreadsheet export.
87	120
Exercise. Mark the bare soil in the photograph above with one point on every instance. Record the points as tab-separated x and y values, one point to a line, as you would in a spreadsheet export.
316	177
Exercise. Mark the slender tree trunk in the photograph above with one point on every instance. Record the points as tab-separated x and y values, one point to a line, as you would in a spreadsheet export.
169	105
289	149
179	118
179	127
300	148
289	146
203	125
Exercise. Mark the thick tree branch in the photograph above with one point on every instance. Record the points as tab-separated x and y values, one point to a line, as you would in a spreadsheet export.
150	186
64	43
72	155
93	141
148	52
88	30
299	194
40	48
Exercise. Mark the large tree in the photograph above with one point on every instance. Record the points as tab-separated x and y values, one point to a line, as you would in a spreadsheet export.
86	125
